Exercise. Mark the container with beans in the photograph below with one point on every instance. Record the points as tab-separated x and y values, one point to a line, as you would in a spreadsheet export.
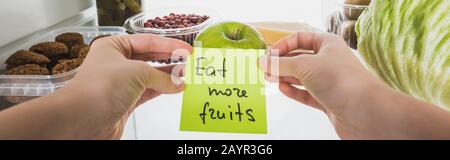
183	23
341	17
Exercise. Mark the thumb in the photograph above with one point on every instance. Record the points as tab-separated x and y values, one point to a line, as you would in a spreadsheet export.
162	82
280	66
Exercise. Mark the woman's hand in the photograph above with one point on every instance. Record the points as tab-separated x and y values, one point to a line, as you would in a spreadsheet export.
330	72
111	82
130	81
358	105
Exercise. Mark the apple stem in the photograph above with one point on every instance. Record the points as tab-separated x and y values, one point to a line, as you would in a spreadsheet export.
236	35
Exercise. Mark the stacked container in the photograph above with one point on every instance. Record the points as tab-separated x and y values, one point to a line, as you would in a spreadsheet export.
341	17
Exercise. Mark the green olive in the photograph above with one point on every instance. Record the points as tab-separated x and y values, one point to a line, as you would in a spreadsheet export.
115	5
132	5
115	12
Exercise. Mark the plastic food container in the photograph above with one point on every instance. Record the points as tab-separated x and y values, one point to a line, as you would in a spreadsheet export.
135	24
341	17
15	89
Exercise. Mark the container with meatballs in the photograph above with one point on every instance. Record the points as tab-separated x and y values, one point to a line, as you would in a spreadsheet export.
43	65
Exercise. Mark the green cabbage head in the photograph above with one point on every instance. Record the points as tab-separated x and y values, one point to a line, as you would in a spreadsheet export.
407	44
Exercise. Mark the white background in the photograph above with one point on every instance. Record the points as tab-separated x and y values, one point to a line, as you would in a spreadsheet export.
287	119
20	18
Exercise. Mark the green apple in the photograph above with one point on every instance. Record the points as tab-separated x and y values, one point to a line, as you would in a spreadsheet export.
231	35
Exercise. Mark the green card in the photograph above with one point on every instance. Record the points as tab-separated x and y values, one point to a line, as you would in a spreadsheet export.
225	92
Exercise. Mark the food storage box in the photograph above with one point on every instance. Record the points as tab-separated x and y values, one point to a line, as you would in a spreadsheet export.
135	24
341	18
15	89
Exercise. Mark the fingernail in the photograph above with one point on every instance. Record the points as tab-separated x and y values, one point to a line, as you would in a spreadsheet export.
274	52
180	52
177	81
263	62
181	87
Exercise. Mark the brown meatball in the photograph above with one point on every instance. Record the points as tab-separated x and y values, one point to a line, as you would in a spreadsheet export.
28	69
67	65
98	37
23	57
53	50
70	39
79	51
84	52
62	60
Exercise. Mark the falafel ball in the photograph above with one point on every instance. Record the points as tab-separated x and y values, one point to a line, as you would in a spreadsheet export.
23	57
28	69
66	66
79	51
98	37
70	39
52	50
62	60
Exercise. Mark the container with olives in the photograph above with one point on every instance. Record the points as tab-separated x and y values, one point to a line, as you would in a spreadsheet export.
342	16
116	12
